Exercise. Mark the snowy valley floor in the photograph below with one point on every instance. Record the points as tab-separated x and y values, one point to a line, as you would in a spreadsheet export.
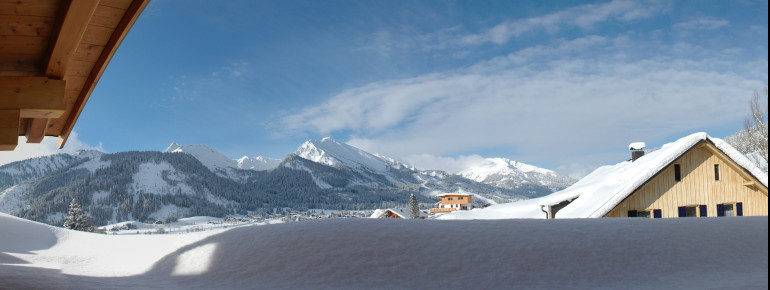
711	253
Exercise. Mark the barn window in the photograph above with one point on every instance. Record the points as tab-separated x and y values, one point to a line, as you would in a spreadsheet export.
639	213
730	209
677	172
693	211
460	198
716	171
655	213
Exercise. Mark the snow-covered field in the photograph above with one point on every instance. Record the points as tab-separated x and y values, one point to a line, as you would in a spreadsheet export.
184	225
711	253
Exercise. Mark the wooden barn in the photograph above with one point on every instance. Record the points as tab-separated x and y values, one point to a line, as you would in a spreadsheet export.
52	54
696	176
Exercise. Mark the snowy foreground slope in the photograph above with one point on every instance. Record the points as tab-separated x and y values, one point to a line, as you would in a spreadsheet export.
390	254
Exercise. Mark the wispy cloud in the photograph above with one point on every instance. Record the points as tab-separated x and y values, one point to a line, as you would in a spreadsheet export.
457	39
585	17
548	103
450	164
702	23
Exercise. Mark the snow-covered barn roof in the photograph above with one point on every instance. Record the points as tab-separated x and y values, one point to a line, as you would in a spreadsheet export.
607	186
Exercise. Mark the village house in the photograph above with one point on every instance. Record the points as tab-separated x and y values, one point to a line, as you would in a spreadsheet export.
398	213
695	176
452	202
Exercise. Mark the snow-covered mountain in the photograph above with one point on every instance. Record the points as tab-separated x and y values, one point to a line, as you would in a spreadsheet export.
337	154
215	161
37	167
197	180
219	163
506	173
257	163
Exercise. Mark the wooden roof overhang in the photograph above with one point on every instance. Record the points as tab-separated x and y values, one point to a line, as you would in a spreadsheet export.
52	54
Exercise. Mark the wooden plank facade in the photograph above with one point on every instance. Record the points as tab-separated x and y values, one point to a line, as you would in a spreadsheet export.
708	179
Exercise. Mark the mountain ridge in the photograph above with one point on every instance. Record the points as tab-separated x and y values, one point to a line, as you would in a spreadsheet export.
198	180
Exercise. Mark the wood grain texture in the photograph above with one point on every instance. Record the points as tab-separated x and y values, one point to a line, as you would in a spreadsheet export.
698	186
70	33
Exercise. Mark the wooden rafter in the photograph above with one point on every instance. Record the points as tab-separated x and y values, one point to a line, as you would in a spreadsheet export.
36	130
131	15
9	129
39	98
73	26
36	97
52	54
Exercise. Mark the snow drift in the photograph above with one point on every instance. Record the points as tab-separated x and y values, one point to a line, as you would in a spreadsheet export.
391	254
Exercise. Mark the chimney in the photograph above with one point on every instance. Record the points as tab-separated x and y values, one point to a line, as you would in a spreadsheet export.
637	150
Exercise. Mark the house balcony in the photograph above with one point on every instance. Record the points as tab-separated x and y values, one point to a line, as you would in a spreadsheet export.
437	210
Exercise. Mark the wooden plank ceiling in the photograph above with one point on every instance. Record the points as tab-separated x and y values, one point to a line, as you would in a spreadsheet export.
52	54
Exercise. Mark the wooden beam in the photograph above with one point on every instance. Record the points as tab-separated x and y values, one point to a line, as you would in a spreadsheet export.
73	26
131	15
9	129
36	97
36	130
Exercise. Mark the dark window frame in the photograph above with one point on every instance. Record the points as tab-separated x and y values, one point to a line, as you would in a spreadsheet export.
677	172
700	210
647	213
737	209
716	172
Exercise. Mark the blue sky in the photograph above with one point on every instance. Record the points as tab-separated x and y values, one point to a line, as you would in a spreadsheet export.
564	85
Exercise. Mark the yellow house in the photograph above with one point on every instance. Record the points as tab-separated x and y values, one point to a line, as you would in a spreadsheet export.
695	176
452	202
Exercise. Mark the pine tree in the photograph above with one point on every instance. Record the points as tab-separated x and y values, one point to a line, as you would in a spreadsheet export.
415	210
76	219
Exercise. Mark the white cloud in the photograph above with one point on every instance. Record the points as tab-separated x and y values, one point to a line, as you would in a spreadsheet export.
448	164
456	38
584	17
49	146
549	104
702	24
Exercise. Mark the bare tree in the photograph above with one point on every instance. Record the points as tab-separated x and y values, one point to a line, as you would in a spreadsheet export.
756	127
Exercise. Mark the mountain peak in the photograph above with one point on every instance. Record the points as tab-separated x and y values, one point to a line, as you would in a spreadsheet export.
337	154
205	154
502	172
500	166
172	147
257	163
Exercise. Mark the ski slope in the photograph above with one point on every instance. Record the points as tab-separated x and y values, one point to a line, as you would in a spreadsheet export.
391	254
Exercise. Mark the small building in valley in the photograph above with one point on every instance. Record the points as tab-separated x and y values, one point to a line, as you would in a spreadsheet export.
452	202
397	213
